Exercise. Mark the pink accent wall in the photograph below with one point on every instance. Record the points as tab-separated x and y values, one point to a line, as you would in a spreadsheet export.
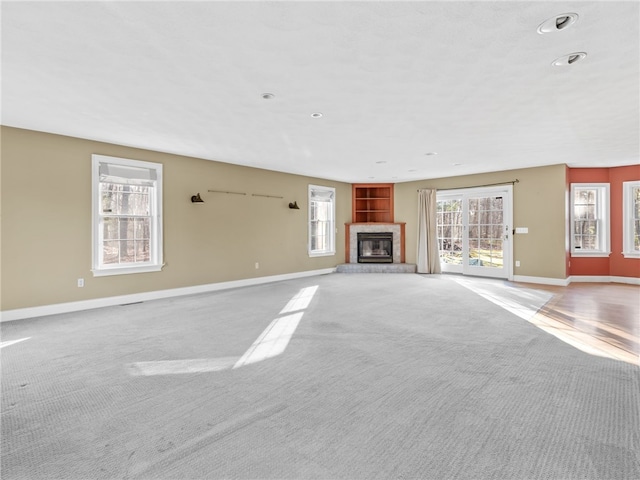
615	265
620	266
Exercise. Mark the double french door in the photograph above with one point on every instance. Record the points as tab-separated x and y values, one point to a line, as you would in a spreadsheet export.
474	233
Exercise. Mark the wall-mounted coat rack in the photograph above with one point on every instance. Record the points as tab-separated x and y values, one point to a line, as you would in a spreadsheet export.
262	195
292	205
222	191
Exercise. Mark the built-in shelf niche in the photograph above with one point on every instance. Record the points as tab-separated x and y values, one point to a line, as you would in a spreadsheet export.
372	203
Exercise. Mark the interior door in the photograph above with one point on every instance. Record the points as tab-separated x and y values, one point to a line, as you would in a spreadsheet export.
474	231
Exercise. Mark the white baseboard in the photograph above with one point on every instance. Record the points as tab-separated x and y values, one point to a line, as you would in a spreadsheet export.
628	280
22	313
561	282
604	279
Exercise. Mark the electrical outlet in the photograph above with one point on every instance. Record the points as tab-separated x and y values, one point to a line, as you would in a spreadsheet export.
81	282
517	263
257	265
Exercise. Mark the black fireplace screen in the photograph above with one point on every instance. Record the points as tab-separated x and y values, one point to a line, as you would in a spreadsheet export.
375	247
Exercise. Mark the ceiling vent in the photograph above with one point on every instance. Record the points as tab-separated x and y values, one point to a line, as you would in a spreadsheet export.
568	59
557	23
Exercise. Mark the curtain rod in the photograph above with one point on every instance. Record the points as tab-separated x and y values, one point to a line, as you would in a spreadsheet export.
512	182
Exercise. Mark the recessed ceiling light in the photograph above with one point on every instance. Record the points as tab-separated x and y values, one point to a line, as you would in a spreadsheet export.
568	59
557	23
431	153
268	96
316	115
382	161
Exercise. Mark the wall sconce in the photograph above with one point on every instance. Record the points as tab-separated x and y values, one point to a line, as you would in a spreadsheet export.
294	206
196	199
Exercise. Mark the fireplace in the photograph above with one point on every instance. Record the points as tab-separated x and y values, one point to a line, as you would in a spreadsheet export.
375	247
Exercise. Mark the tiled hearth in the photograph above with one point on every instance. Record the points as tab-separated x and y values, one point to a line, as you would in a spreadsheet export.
351	254
376	268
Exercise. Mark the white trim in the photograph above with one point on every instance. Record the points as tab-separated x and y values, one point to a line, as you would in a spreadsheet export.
604	279
506	272
127	271
590	279
628	220
333	230
603	198
155	263
564	282
627	280
593	254
561	282
22	313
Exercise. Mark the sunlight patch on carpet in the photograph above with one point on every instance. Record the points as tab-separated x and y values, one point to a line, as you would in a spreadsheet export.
530	305
172	367
522	302
272	342
13	342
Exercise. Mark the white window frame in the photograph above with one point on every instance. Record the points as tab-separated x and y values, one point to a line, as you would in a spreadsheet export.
330	249
628	225
155	262
602	217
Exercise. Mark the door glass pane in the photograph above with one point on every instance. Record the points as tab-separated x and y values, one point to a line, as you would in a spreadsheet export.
485	240
450	231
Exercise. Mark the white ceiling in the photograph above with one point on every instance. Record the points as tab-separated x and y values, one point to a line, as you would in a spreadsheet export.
471	81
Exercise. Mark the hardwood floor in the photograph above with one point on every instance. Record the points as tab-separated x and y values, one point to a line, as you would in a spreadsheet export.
603	318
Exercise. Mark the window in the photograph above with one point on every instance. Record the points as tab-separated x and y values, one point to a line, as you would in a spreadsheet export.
631	219
127	216
322	238
590	219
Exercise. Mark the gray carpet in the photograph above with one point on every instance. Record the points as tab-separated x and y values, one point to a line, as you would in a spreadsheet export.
386	376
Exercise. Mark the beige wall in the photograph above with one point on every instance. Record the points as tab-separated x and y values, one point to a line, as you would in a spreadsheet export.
46	222
538	203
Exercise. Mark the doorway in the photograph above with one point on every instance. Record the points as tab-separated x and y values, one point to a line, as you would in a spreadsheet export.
474	233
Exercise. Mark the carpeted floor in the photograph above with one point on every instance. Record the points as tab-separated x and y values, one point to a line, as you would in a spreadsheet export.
385	376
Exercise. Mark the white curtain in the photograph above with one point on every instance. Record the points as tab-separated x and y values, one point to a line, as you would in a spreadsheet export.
428	254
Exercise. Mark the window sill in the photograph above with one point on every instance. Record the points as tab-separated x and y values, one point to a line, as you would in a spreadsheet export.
630	255
591	254
321	254
105	272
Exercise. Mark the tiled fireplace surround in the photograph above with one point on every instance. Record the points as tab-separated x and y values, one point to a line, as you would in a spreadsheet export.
351	250
351	264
